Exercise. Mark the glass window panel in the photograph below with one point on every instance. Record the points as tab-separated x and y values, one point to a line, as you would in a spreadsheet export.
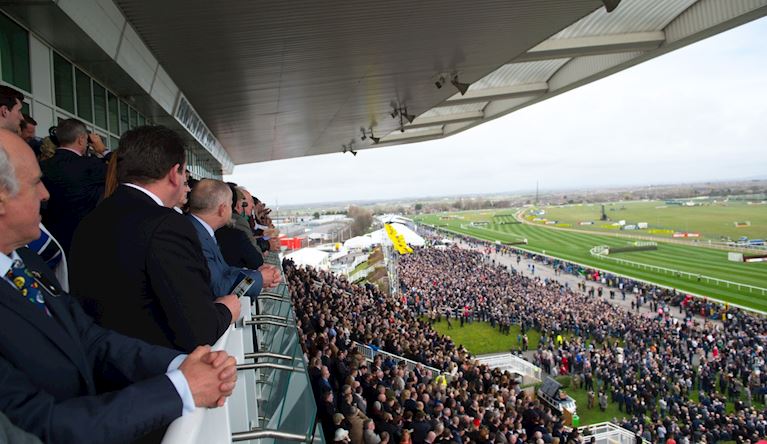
14	54
114	118
133	119
141	120
113	142
99	105
25	108
84	93
123	117
62	81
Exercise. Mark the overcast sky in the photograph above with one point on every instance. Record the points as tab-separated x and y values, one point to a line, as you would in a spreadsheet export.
696	114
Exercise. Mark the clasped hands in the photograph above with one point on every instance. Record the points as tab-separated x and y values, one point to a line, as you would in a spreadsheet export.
211	375
271	275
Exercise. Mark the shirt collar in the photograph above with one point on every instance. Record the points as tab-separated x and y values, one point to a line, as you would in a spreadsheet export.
70	149
207	227
6	262
154	197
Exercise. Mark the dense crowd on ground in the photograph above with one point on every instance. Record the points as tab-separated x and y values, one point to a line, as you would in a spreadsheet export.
649	365
383	401
675	379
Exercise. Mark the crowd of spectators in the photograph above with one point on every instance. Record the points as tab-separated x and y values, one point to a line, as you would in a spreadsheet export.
652	366
372	402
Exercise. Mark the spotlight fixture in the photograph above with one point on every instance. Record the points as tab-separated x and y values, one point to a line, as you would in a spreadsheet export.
440	81
401	111
462	87
349	147
610	5
369	133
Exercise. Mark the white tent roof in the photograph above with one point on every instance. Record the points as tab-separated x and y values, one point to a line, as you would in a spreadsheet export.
360	242
412	239
311	257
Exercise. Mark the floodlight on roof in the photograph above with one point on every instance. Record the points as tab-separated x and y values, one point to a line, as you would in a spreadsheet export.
369	133
610	5
462	87
349	148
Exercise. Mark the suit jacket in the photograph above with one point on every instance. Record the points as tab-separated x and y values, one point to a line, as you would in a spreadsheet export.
76	184
9	433
58	371
223	277
237	249
138	269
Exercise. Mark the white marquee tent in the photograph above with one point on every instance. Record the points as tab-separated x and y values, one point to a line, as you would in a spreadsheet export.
311	257
411	237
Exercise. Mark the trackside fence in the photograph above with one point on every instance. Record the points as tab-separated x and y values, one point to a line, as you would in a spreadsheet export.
602	252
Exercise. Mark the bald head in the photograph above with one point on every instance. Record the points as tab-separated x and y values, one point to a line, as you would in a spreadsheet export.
21	191
211	201
207	195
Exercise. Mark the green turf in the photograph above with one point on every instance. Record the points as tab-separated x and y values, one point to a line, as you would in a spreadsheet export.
575	247
587	415
712	220
480	338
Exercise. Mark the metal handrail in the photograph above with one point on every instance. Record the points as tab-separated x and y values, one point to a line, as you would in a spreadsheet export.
258	365
268	355
269	322
261	434
272	297
267	317
272	293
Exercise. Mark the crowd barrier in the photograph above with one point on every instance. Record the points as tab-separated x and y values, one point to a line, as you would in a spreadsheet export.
369	353
273	400
608	433
530	372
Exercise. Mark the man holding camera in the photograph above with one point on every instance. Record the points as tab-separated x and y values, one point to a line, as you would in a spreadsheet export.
74	179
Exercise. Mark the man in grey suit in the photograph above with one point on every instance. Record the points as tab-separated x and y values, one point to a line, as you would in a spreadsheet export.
210	208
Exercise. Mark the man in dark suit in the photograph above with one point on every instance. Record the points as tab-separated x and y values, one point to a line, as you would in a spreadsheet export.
75	181
210	208
64	378
238	245
146	255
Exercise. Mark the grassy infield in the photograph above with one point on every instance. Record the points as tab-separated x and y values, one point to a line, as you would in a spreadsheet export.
712	222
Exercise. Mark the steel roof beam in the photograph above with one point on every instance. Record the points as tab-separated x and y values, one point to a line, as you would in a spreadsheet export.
586	46
423	122
504	92
399	137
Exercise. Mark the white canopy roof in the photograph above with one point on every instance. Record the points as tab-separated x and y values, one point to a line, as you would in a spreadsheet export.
311	257
359	242
411	237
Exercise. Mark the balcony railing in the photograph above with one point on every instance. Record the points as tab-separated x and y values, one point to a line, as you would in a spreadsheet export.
273	401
